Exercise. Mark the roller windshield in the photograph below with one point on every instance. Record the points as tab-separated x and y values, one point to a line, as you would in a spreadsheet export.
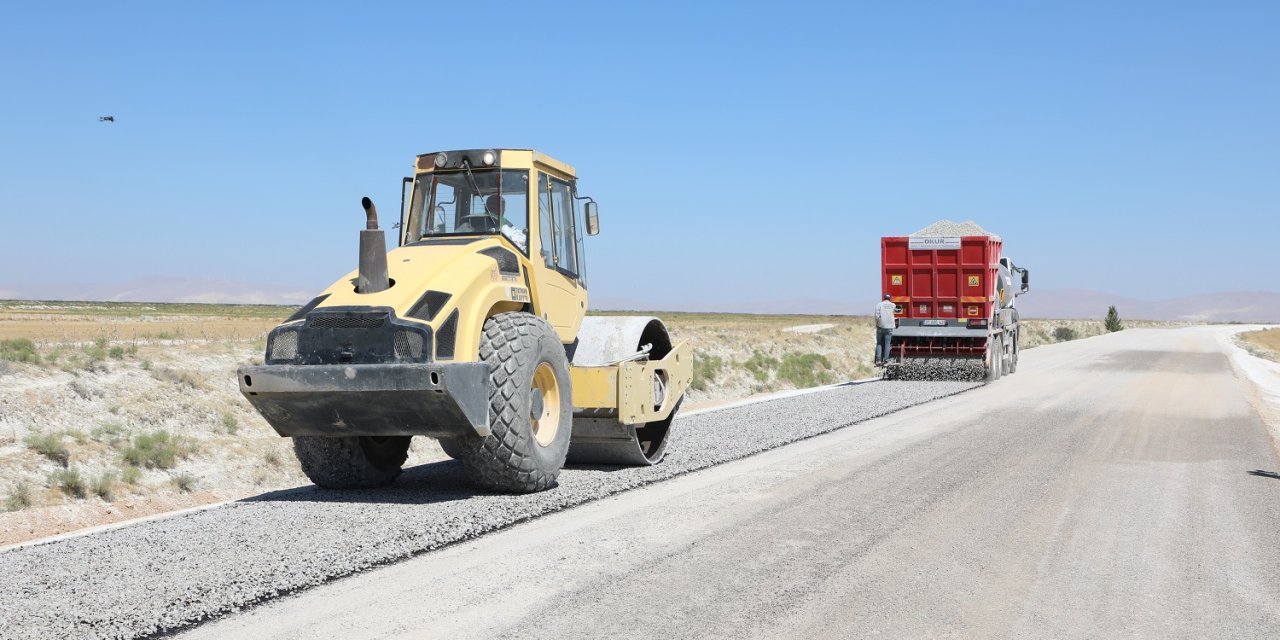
467	203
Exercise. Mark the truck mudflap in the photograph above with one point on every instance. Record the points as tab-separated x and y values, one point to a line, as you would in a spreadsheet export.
437	400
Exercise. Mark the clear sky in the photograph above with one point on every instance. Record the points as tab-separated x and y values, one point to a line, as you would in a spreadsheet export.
738	152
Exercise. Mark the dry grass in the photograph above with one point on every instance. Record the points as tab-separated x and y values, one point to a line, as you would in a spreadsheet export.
76	322
1264	343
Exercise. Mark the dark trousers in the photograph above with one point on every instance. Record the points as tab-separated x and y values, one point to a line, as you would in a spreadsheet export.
882	344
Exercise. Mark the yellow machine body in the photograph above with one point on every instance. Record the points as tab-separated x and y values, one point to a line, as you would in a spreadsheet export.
450	284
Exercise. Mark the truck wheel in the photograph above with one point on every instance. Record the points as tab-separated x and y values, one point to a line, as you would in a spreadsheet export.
1013	356
997	360
530	407
359	462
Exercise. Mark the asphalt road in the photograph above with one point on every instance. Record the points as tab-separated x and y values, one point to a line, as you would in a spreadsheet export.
1122	486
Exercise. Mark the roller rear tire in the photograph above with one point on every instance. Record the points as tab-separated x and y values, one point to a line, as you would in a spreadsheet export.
361	462
452	447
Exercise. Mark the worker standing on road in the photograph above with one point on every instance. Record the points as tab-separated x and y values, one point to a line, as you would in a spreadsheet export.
885	323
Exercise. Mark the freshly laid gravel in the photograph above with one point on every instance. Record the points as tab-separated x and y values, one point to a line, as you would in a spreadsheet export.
167	574
947	229
957	370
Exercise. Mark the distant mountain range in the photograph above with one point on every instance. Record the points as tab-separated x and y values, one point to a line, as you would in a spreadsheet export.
1235	306
191	290
1247	306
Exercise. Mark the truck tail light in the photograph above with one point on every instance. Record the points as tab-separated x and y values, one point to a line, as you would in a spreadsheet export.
978	324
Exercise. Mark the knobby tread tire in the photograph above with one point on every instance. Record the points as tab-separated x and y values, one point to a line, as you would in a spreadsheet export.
509	459
351	463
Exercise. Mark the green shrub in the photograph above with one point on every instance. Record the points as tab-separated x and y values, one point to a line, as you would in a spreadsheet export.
49	445
131	475
805	369
705	369
104	485
20	498
156	450
230	423
70	482
1064	334
109	432
96	352
19	350
116	352
185	481
760	365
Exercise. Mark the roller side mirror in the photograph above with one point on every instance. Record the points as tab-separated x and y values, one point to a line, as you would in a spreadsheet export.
593	219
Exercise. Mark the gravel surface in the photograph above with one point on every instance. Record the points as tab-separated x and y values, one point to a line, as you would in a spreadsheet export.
947	229
172	573
957	370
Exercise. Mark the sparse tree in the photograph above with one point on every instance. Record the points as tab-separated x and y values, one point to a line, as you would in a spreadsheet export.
1113	320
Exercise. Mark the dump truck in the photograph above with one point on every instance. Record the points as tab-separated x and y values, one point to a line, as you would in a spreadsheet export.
472	330
955	300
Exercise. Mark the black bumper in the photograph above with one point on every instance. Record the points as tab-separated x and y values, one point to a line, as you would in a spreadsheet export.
437	400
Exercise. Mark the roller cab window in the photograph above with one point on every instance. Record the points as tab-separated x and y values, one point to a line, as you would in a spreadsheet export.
474	202
560	228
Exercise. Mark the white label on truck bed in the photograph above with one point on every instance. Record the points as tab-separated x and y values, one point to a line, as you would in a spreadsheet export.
933	243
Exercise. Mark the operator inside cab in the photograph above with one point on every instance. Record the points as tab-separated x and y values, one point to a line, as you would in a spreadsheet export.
472	202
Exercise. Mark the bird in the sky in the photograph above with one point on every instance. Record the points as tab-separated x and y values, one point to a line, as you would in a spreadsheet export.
107	119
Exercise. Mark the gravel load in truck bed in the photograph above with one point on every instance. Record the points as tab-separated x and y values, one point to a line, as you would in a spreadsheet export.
949	229
167	574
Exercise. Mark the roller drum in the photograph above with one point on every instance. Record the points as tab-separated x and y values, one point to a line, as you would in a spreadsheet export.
599	438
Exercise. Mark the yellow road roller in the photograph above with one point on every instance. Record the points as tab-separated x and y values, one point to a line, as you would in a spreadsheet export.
473	331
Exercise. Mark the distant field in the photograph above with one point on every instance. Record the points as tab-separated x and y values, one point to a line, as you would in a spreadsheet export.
53	322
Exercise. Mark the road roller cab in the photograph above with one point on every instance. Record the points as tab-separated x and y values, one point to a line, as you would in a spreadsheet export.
473	330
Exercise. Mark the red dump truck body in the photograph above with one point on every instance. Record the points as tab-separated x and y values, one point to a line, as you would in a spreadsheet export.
945	291
941	277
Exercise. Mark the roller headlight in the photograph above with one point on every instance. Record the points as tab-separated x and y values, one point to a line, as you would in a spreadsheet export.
441	160
489	158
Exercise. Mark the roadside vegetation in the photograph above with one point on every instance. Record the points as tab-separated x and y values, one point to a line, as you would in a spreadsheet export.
1264	343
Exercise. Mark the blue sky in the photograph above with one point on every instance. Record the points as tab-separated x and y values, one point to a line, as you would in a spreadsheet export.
747	153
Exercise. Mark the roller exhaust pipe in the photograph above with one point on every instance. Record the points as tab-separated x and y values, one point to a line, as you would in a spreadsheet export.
373	253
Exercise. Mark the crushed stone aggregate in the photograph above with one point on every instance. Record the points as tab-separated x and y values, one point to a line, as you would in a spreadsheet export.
163	575
947	228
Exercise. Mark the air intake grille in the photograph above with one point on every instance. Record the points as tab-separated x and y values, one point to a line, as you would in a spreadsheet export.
408	345
284	346
446	335
345	322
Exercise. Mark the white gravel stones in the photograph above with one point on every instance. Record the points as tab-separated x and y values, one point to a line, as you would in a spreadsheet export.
949	229
167	574
951	369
